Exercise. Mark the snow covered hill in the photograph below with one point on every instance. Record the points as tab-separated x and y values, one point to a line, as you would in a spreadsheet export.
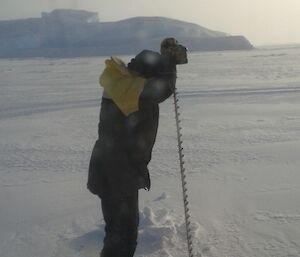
73	33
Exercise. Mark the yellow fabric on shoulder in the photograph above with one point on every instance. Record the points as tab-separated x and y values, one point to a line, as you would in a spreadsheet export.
121	85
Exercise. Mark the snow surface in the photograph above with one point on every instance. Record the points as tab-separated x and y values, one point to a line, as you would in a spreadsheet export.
241	130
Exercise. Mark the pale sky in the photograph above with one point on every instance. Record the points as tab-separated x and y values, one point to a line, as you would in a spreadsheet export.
261	21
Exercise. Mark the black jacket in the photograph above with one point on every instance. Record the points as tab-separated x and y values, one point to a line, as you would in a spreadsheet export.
119	160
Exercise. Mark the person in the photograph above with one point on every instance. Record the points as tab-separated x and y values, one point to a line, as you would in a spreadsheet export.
126	135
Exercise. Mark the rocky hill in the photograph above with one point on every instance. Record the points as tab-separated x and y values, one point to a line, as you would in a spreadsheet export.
71	33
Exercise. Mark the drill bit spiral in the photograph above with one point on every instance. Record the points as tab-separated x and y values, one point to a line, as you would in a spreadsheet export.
183	177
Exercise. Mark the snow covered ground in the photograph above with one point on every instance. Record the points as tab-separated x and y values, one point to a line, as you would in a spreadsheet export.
241	130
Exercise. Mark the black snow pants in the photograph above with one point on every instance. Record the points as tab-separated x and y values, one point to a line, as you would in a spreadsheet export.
121	216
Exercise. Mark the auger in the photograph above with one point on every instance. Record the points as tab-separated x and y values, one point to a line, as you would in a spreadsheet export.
183	179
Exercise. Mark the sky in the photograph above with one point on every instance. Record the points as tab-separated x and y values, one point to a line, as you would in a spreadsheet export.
261	21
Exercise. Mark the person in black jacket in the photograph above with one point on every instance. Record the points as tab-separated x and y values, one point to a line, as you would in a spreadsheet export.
118	165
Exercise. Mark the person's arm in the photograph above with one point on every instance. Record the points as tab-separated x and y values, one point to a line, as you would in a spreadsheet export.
158	88
160	74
